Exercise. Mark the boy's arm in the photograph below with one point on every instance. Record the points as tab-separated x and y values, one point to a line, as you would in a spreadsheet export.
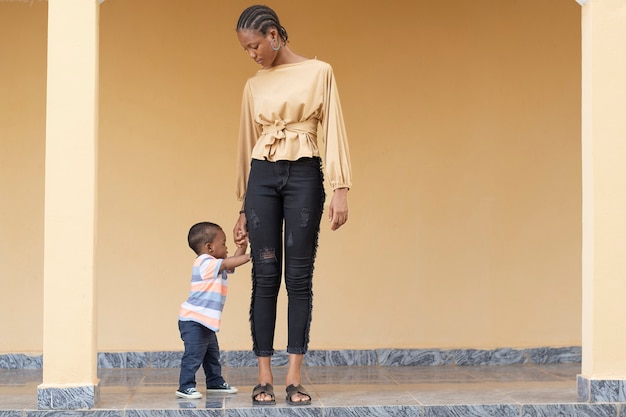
239	258
241	250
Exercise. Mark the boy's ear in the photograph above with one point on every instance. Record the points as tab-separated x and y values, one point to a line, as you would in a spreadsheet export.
209	247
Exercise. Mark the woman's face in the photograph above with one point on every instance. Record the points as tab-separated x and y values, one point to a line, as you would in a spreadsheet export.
259	47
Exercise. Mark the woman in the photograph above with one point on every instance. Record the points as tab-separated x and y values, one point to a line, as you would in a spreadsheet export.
285	104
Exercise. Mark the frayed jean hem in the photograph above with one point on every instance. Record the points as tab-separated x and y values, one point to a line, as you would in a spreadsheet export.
264	353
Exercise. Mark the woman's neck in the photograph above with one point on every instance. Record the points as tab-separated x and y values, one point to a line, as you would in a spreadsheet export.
287	56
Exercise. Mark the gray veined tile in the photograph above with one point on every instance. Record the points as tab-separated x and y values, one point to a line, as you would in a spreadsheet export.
70	413
582	387
577	410
123	359
165	359
474	357
388	357
241	359
607	390
555	355
174	413
413	357
247	358
280	358
500	410
379	411
20	361
341	358
71	398
276	411
10	413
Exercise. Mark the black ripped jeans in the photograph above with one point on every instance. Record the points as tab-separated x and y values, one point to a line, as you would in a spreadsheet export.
289	193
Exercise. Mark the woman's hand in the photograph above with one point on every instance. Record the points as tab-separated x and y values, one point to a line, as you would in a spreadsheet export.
338	211
240	232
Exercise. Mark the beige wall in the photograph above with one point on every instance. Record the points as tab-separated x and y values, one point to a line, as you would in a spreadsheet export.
464	121
22	140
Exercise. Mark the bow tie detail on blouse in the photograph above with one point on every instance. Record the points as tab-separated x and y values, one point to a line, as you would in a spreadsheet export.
276	132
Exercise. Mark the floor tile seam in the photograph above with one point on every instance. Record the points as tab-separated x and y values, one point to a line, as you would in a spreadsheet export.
142	380
392	379
421	404
551	373
131	397
507	395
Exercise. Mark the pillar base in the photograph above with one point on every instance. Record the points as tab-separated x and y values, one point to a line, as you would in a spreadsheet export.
67	398
601	390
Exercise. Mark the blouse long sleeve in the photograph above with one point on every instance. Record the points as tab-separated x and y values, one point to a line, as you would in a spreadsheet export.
249	132
337	157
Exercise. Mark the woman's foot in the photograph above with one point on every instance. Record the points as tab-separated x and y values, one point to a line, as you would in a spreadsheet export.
265	379
263	395
297	395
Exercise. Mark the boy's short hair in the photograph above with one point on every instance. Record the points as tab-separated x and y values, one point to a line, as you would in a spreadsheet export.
200	234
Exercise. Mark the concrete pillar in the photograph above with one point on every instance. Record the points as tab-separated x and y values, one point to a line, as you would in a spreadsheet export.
603	375
69	322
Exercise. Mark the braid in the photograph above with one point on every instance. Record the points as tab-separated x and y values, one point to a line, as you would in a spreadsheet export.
261	19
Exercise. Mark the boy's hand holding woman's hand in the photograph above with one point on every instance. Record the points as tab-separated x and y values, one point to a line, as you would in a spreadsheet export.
240	233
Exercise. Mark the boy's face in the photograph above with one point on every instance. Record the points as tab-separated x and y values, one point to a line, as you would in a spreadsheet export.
218	248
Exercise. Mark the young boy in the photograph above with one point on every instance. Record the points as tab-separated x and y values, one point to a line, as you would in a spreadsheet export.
200	316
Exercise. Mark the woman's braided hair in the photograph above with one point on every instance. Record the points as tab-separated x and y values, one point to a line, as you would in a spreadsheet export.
261	18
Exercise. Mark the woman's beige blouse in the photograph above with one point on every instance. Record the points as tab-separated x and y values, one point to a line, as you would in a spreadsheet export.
282	110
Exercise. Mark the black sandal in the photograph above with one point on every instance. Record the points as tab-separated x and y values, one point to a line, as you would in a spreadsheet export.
267	389
293	390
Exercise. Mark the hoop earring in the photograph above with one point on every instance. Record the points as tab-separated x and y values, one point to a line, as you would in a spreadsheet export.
272	45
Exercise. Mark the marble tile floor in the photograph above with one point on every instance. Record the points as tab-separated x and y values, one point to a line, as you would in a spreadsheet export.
426	391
